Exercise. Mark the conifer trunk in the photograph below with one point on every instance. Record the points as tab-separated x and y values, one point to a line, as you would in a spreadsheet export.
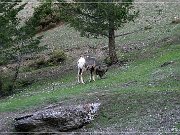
16	71
111	45
0	85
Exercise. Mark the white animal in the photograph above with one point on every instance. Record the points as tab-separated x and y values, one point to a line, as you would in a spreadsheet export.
89	63
81	67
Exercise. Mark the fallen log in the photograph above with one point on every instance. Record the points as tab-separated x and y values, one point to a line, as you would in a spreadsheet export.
58	119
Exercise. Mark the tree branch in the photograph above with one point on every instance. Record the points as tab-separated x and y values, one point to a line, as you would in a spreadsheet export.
123	34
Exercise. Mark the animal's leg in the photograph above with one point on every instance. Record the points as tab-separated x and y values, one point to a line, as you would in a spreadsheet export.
81	63
78	75
90	76
93	76
81	73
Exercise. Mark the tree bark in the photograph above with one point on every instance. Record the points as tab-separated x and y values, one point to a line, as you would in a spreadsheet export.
16	71
128	33
0	85
112	48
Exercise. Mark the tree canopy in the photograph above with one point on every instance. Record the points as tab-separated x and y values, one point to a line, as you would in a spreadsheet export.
99	18
16	40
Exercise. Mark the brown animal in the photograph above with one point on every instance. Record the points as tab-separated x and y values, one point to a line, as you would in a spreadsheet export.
90	63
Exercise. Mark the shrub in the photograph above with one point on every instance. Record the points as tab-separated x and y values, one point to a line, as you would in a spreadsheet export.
58	56
45	16
107	61
5	60
39	63
24	82
5	87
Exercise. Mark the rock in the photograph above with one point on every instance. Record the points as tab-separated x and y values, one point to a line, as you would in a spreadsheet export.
58	119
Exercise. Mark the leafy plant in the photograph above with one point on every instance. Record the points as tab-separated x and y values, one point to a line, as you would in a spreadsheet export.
5	87
57	56
17	40
45	16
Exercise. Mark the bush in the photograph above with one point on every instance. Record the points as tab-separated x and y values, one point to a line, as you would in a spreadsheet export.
45	16
24	83
39	63
3	60
58	56
5	87
107	61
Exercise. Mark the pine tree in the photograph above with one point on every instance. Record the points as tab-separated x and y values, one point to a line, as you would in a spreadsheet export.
15	40
99	18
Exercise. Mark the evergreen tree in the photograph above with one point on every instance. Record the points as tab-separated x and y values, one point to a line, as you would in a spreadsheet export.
99	18
15	40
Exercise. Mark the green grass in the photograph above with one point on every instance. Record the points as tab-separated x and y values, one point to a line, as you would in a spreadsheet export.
140	75
136	110
141	96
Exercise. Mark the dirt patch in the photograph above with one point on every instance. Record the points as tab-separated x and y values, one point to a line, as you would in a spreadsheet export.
7	118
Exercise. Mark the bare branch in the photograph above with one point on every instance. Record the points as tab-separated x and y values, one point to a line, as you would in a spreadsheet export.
123	34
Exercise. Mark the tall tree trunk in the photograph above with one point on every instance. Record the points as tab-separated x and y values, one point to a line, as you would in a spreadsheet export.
112	48
16	71
0	85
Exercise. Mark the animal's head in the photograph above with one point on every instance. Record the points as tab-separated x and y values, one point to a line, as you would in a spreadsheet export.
101	70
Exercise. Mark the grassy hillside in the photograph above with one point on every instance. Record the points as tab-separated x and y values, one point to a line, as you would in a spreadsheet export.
143	74
156	16
140	96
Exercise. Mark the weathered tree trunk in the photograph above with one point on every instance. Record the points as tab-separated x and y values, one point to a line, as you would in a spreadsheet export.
111	45
0	85
16	71
112	49
57	119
